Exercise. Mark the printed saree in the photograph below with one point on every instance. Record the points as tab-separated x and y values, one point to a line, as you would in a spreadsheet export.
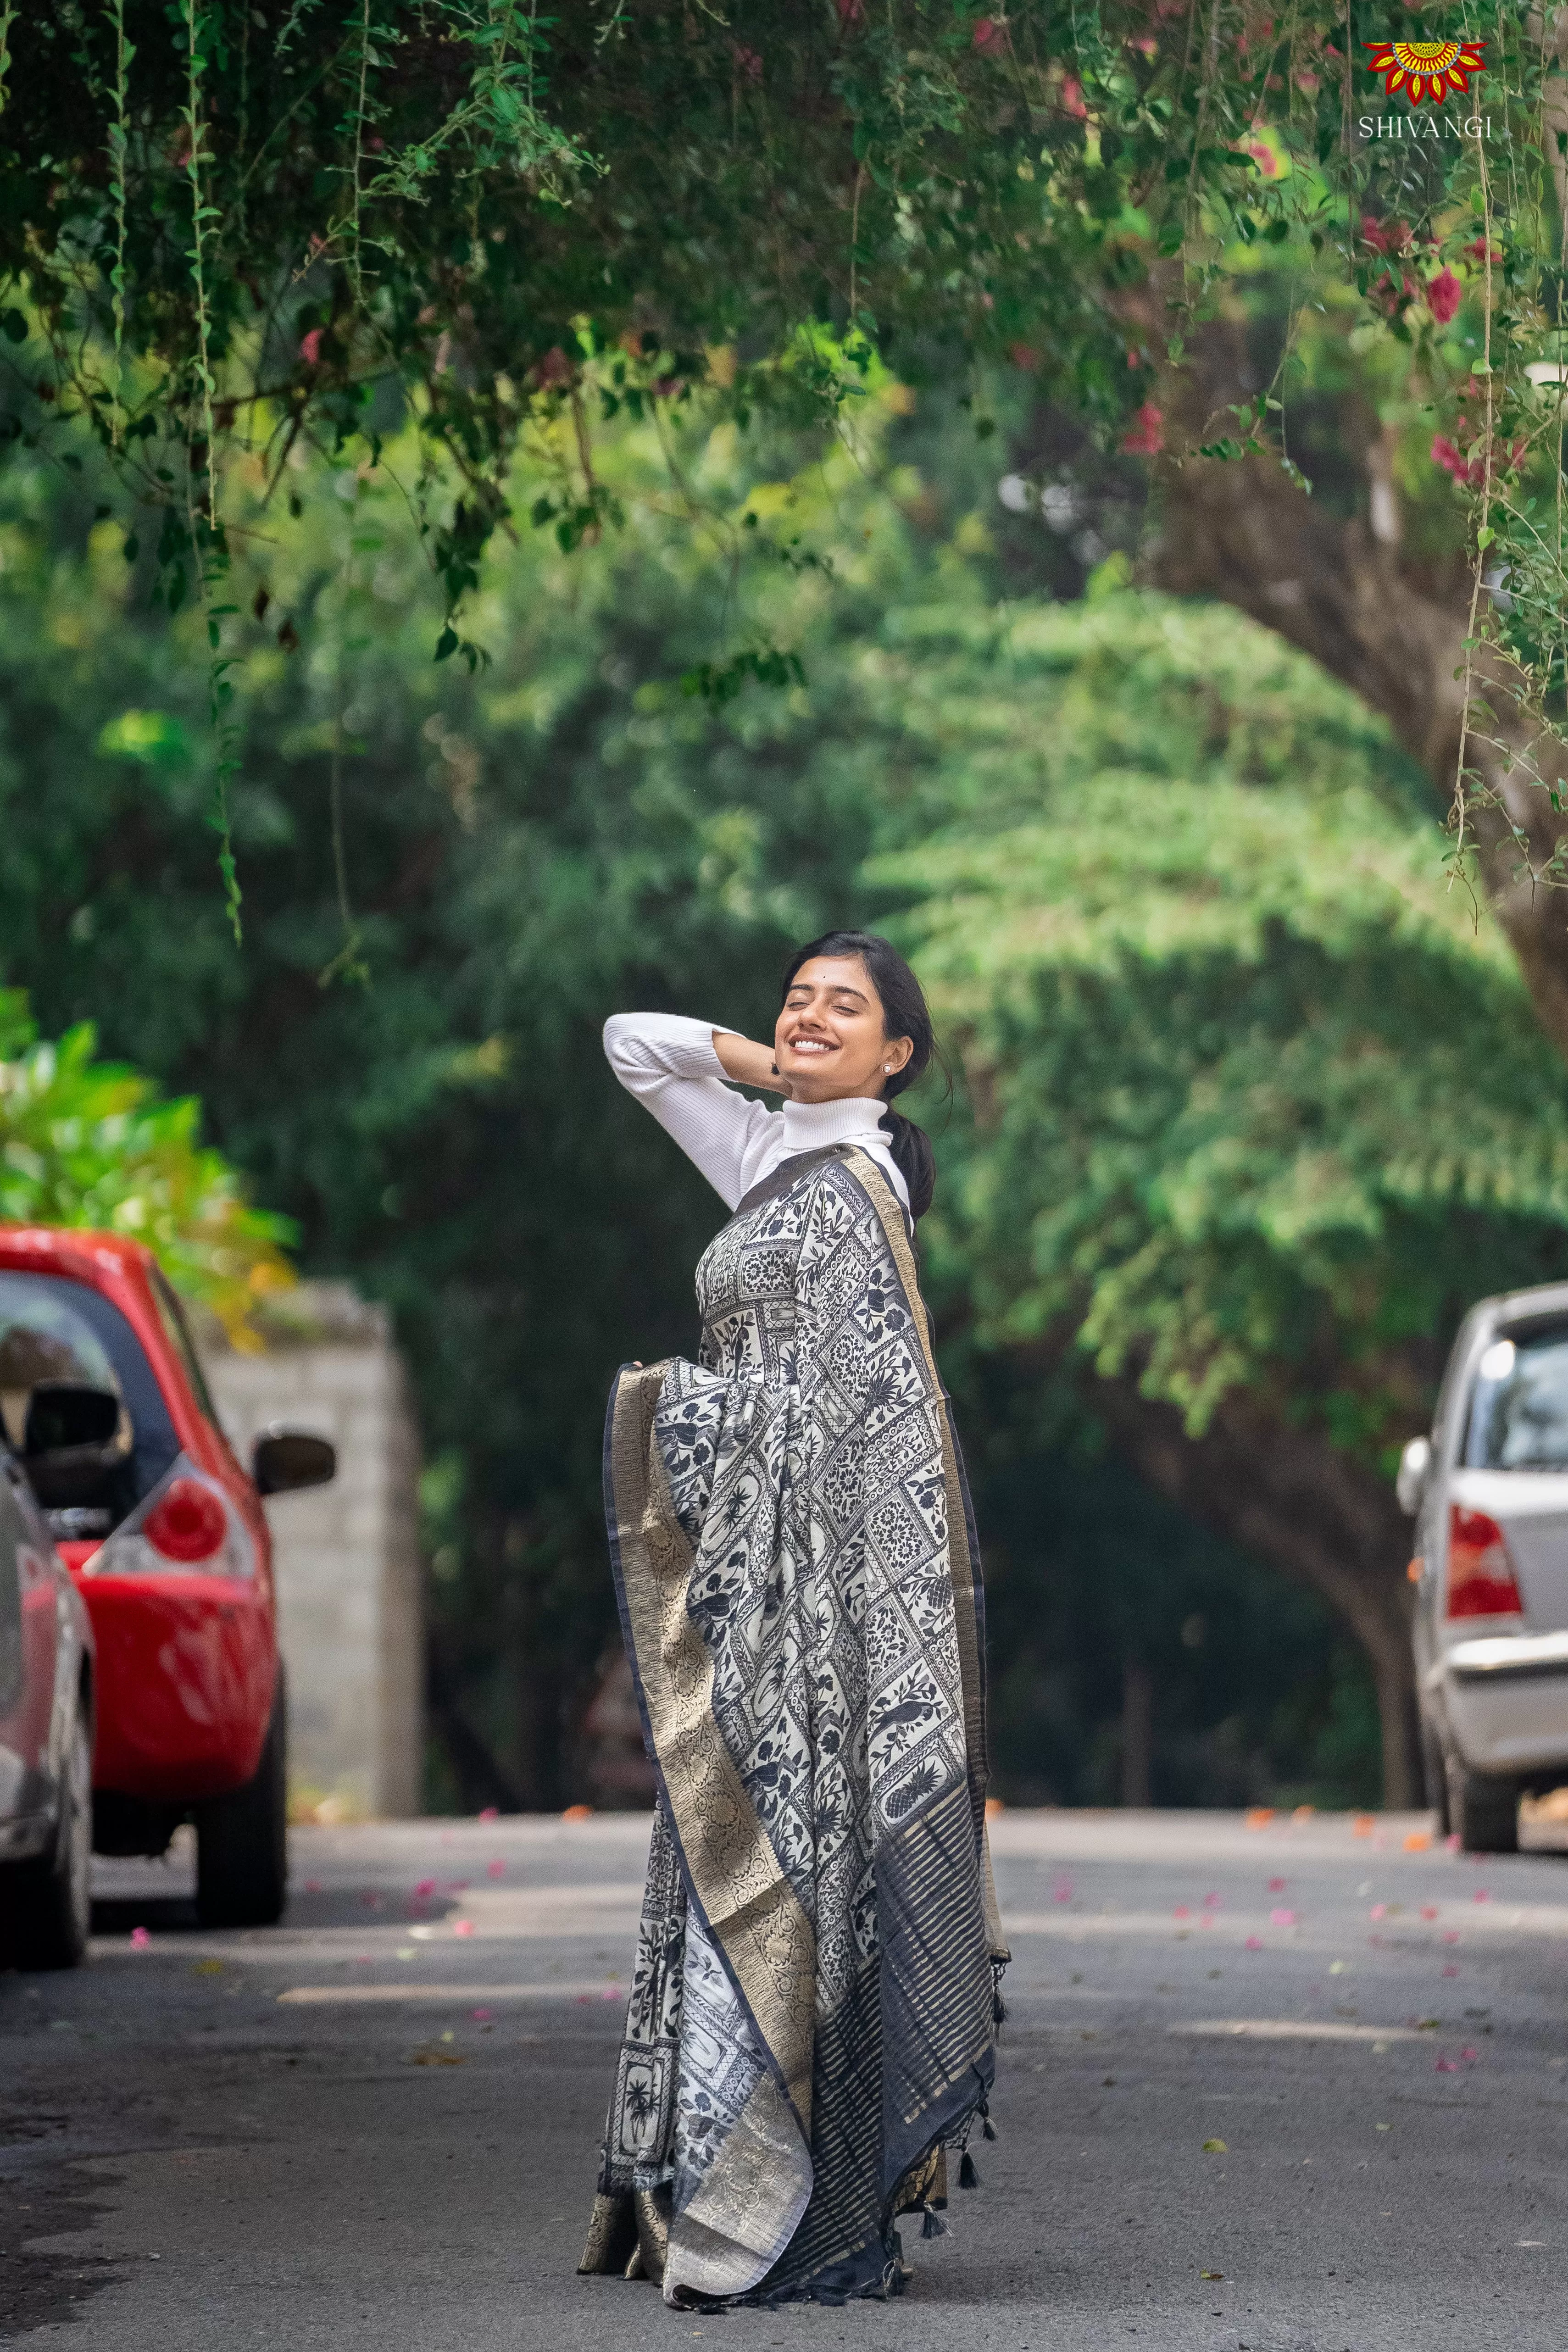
813	2012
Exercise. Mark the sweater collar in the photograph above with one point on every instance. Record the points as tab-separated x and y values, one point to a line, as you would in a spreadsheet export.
809	1126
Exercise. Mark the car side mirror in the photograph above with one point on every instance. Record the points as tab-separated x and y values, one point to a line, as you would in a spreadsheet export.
1414	1467
285	1459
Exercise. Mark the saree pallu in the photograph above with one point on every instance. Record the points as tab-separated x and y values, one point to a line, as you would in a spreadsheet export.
812	2012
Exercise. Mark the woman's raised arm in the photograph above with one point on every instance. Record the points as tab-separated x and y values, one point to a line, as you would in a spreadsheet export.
676	1068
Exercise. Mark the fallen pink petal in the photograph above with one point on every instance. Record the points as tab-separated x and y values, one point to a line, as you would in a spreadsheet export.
140	1939
462	1927
1254	1943
1282	1918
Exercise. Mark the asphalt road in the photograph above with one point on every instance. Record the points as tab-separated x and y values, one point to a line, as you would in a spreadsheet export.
1290	2089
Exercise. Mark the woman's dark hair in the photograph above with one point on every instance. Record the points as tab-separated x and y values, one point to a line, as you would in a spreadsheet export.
904	1015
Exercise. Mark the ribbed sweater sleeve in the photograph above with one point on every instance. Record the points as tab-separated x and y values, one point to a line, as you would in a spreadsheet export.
669	1063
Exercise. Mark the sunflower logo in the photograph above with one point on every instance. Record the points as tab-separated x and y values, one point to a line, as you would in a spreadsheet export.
1425	69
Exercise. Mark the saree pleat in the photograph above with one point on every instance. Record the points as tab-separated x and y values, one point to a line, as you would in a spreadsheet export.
813	2011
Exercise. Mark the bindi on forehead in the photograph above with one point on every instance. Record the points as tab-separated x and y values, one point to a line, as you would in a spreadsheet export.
832	975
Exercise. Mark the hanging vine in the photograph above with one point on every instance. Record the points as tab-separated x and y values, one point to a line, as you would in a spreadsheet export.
483	221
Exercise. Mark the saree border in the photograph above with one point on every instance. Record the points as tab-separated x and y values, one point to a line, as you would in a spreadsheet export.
968	1593
733	1876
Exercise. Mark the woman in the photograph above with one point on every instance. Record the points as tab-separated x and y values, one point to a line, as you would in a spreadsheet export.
813	2008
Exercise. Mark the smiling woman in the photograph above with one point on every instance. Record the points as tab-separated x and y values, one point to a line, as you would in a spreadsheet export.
814	2005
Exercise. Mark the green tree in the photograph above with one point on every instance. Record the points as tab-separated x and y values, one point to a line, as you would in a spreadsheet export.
1251	1114
240	227
1236	1069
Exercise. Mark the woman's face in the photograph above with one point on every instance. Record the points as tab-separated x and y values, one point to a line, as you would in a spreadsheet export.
830	1041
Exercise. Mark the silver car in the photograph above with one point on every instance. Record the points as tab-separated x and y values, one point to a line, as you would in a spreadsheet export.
46	1717
1488	1492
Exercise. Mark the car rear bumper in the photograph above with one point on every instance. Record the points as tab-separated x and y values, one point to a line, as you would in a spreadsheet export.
1505	1698
186	1667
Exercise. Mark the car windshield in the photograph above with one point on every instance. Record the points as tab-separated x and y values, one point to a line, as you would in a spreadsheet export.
1519	1412
52	1329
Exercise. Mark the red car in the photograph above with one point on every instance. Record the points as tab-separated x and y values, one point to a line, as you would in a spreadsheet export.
103	1402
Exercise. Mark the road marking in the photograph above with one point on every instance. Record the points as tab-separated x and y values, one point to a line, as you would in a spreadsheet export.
314	1996
1295	2028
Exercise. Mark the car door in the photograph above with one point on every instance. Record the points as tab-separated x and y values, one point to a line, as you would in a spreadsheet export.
14	1707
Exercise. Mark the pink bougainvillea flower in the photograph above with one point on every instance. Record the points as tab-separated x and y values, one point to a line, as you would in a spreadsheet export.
1447	2067
1211	1902
1450	1934
1182	1912
1429	1910
310	346
1444	295
489	1814
1378	1911
482	2016
990	36
495	1869
1482	1895
1276	1886
462	1927
1469	2056
1452	1839
1263	156
1254	1943
1145	436
1477	252
1062	1891
140	1939
1282	1918
1444	454
424	1891
1072	98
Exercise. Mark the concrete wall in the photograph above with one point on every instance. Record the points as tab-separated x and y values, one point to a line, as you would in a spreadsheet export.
346	1556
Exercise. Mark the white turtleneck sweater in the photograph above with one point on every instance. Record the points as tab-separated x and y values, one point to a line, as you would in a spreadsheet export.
669	1063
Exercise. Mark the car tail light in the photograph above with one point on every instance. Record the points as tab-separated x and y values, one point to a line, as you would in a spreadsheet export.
188	1523
1480	1575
